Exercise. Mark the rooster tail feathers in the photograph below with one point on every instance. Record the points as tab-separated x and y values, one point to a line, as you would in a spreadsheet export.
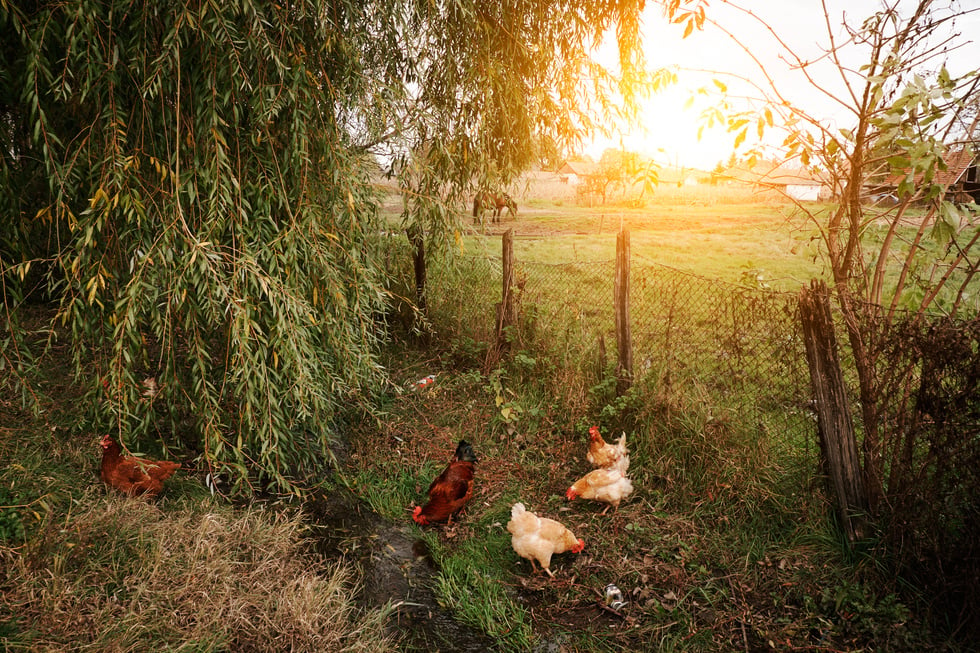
517	510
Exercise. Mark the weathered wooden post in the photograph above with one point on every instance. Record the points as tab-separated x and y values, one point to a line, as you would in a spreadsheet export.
837	441
506	313
621	307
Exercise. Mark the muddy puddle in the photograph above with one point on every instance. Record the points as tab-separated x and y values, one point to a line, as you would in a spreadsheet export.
395	567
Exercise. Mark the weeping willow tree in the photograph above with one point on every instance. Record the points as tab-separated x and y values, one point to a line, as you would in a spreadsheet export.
190	187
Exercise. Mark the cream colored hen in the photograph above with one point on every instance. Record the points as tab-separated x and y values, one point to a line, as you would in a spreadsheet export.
538	538
610	486
606	455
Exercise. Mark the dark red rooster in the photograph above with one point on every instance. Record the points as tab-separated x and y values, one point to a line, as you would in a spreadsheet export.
451	490
132	475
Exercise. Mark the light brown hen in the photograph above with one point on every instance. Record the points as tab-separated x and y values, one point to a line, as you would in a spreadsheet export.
538	538
131	475
609	486
607	455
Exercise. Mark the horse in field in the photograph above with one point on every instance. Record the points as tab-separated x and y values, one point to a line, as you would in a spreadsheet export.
496	202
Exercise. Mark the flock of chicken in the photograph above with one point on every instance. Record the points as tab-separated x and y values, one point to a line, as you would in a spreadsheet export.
534	538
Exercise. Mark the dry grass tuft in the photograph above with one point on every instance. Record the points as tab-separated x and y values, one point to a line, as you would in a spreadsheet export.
121	575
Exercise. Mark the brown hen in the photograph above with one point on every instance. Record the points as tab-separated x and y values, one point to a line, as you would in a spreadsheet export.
451	490
131	475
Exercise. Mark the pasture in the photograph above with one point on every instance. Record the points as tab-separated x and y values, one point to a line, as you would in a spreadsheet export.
711	241
717	232
729	541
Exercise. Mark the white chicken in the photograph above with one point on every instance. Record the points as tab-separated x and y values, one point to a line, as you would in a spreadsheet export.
610	486
538	538
605	455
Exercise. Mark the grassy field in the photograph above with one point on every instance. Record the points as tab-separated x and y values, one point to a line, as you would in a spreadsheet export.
741	241
726	543
720	233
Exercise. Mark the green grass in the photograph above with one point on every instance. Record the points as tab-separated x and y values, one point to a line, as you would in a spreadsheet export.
730	243
390	488
477	592
84	568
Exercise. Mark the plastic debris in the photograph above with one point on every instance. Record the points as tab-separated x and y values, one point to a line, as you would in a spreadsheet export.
425	382
614	597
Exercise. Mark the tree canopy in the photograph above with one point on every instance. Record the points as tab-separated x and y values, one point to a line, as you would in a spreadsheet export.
191	186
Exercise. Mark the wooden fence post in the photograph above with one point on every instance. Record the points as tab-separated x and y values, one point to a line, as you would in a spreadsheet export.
506	314
837	441
621	306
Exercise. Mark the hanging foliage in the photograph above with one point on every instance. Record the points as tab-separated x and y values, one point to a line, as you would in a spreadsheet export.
191	186
203	223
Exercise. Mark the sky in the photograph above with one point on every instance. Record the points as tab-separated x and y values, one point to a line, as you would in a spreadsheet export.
670	130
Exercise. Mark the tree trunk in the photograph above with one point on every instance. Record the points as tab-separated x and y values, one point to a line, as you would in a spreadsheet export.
416	238
837	440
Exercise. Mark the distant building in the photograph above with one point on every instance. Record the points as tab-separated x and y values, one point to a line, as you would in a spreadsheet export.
797	183
575	172
961	178
671	176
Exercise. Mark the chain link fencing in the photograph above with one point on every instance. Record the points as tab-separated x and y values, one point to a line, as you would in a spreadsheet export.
739	352
737	348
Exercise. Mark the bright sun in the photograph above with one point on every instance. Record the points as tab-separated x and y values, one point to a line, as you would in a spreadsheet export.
747	51
670	119
669	129
672	128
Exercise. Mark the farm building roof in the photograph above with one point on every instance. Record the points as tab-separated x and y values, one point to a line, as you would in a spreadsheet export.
958	160
770	173
681	176
580	168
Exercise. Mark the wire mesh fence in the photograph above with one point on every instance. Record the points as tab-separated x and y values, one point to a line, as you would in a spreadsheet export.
739	348
740	351
927	454
567	309
463	296
742	346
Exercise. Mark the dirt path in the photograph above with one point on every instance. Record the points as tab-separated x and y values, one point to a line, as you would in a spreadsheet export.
395	567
